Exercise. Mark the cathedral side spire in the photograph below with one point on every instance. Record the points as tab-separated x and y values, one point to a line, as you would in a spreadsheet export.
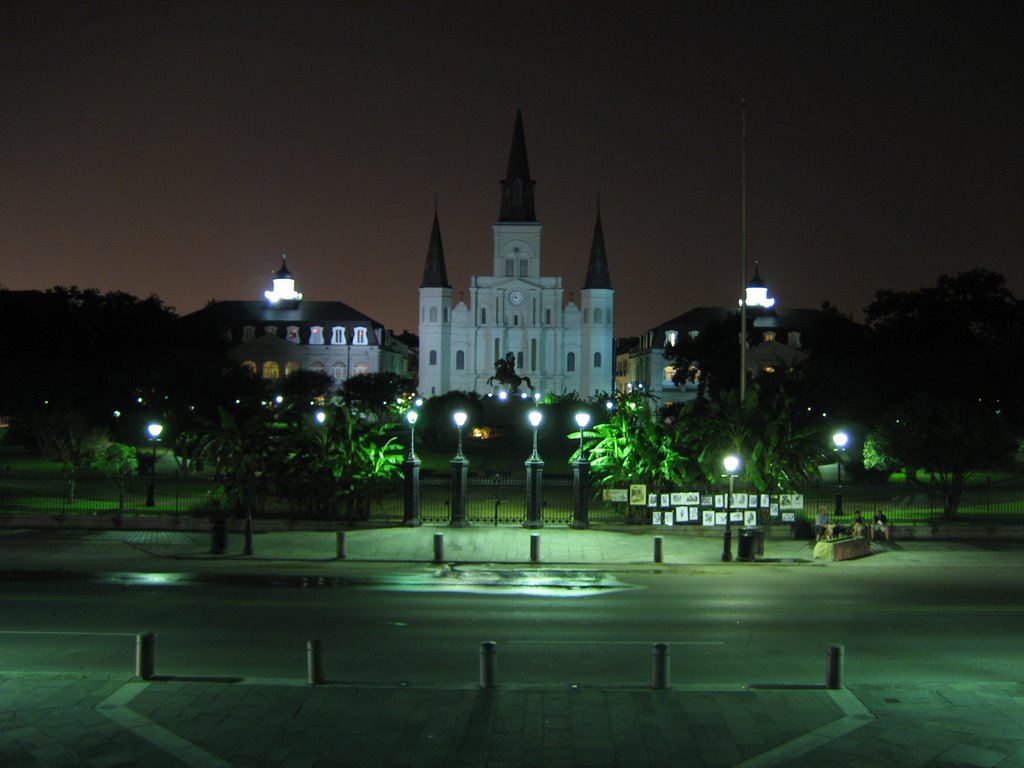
435	274
598	274
517	188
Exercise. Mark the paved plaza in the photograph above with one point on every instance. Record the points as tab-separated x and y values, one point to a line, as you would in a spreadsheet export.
60	719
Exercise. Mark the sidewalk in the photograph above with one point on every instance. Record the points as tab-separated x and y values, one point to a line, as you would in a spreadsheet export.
50	719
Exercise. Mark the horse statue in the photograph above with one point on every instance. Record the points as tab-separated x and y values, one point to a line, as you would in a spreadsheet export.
505	373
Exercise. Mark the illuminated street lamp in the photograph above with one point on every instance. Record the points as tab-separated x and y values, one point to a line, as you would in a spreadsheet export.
411	470
731	465
534	479
154	430
581	479
840	440
460	470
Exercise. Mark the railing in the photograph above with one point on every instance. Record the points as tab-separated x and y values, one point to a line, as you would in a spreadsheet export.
491	500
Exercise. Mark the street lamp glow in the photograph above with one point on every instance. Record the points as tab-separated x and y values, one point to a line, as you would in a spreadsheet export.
582	419
320	417
411	416
731	464
841	440
535	418
155	430
459	417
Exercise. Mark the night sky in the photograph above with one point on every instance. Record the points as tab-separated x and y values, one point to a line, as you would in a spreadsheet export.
177	148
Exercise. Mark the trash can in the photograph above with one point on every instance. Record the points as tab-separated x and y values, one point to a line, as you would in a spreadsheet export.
219	535
751	544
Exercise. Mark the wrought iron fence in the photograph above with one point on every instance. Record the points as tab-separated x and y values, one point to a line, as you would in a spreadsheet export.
497	499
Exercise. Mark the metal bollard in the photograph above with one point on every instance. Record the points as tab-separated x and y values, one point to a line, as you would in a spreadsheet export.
660	666
835	661
659	549
341	550
438	547
488	664
315	661
145	655
534	547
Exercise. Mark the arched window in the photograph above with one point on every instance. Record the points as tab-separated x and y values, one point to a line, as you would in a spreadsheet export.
291	367
250	366
316	367
338	371
433	314
570	362
597	316
360	369
460	360
597	359
483	315
433	357
271	370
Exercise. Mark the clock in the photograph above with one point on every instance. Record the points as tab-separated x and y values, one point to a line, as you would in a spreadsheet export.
516	297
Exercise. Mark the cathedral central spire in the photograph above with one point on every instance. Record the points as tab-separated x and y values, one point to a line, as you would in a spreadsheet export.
517	186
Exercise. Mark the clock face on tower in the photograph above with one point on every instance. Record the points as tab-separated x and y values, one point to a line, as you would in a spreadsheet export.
516	297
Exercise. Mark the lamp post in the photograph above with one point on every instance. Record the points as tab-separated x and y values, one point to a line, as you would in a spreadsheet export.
581	479
731	464
460	469
840	440
155	430
411	470
534	479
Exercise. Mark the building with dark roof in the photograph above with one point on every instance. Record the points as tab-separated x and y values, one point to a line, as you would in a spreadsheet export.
283	333
777	341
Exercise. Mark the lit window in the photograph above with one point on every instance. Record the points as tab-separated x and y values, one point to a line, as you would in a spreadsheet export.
769	336
338	335
291	367
271	370
360	369
666	376
250	366
671	337
338	371
359	336
293	334
316	335
694	334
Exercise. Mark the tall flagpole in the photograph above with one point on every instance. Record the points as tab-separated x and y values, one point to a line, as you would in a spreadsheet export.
743	254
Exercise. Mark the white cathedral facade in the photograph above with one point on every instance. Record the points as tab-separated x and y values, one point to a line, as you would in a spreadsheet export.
516	313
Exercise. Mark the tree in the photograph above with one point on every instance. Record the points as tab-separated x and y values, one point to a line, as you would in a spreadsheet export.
378	394
118	462
949	371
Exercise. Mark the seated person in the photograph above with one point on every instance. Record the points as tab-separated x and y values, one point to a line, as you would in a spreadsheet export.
821	527
858	527
880	528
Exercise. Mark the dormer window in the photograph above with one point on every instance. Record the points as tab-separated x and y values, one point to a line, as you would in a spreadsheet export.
316	335
338	334
248	332
292	334
359	336
769	336
671	338
794	339
270	330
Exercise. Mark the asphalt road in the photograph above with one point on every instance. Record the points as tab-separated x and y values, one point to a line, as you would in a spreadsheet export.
423	625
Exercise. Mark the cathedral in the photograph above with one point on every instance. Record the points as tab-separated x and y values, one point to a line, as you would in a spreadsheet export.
517	333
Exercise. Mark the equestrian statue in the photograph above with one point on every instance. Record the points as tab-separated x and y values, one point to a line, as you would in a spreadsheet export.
505	373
